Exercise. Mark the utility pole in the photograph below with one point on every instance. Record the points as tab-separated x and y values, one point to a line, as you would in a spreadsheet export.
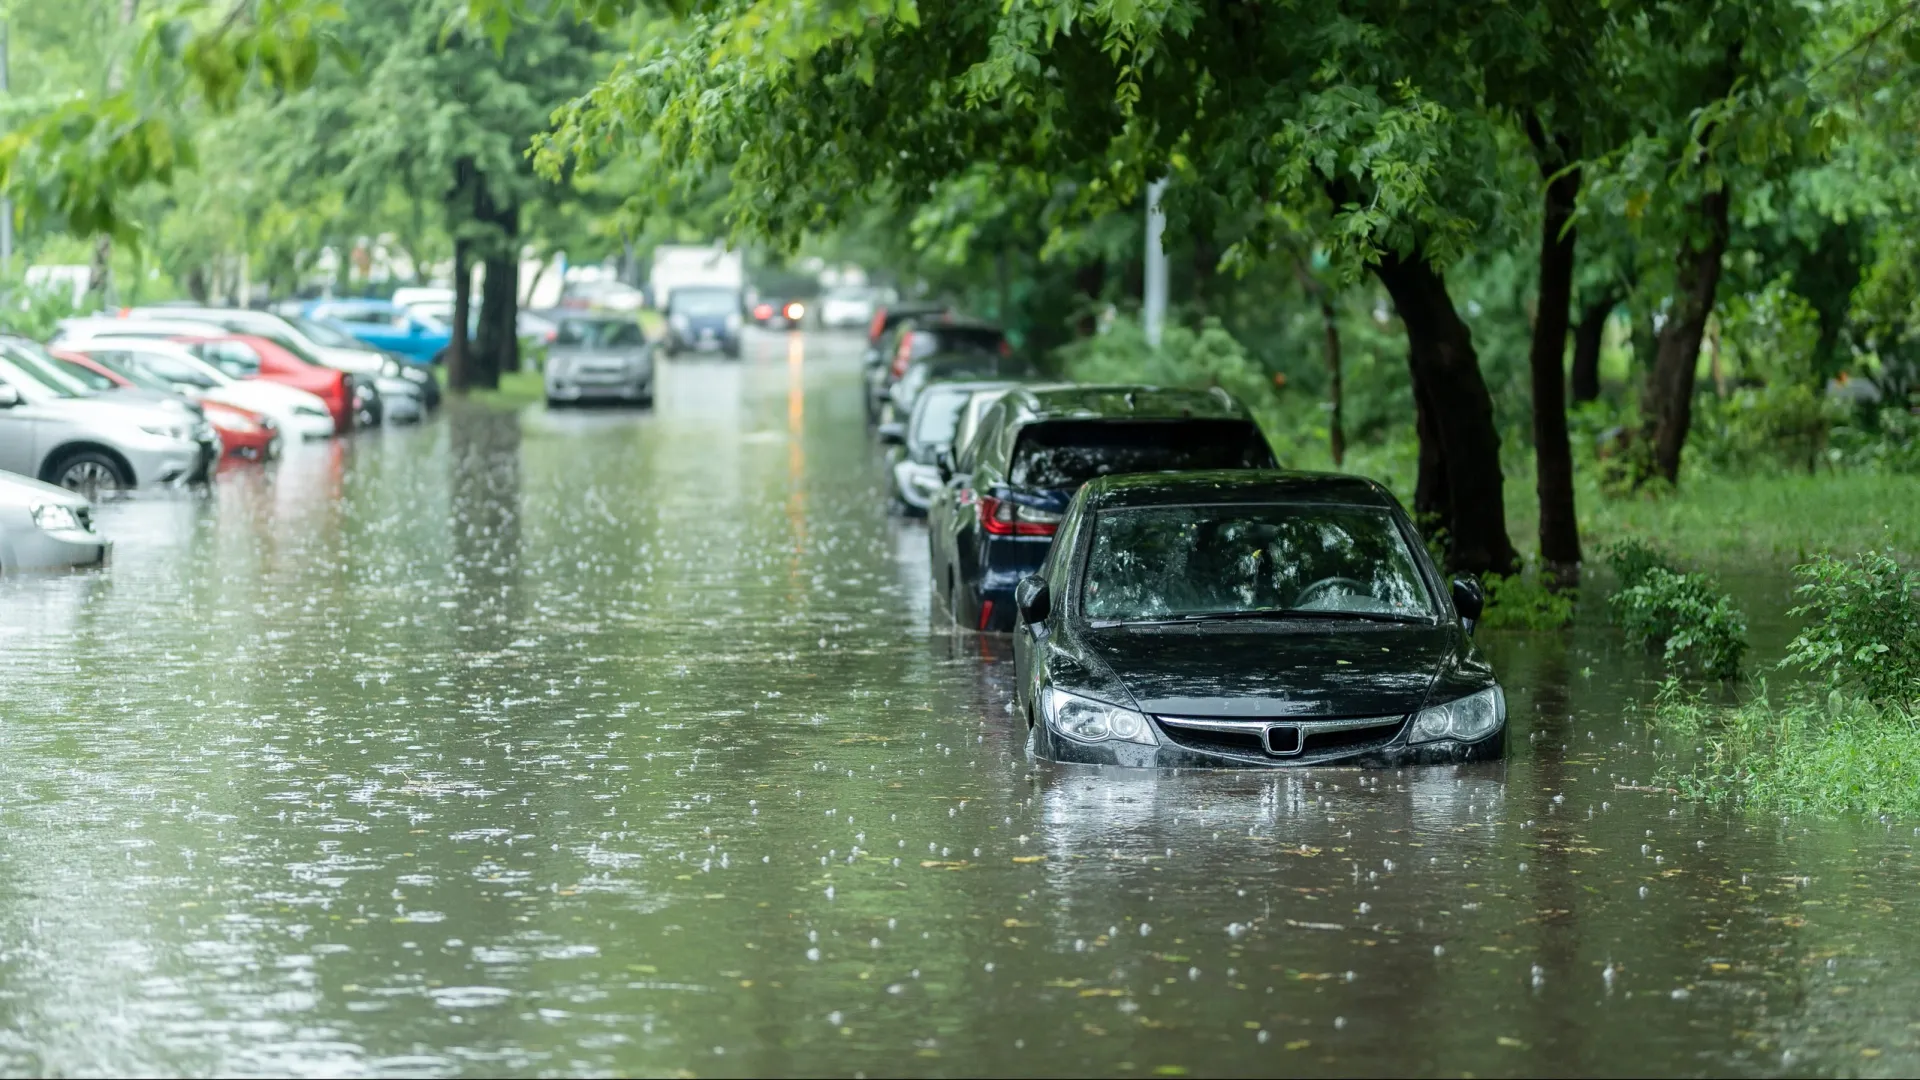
1154	313
6	205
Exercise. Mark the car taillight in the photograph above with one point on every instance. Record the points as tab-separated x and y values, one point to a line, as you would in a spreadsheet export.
877	327
901	355
763	312
1002	518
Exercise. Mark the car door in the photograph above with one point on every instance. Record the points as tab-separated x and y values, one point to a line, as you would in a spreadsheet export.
19	432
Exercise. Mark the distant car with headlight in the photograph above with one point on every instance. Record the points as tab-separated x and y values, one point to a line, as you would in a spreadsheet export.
43	527
779	314
704	318
848	305
1249	619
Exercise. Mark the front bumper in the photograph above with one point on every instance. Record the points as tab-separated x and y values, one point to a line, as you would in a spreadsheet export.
165	462
1170	754
32	548
400	400
592	386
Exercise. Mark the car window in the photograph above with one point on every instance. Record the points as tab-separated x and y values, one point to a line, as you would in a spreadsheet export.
969	457
964	339
1068	453
703	302
86	376
120	364
937	416
174	369
232	357
1175	561
30	385
39	366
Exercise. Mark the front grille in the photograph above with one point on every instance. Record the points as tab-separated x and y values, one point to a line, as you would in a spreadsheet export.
1296	742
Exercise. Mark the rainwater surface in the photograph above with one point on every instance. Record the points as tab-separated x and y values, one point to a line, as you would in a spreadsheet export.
604	742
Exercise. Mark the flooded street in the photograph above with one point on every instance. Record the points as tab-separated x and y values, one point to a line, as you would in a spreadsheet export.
613	742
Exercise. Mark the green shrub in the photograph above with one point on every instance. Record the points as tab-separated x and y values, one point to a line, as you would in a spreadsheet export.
1693	623
1518	601
1843	754
1866	629
1630	559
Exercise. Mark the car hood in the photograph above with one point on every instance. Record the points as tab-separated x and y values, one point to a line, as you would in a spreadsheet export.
111	408
1274	669
17	490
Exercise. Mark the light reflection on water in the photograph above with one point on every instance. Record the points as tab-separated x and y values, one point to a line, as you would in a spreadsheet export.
588	742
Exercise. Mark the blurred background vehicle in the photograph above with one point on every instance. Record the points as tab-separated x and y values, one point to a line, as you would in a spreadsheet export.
784	313
43	527
291	409
930	429
600	296
406	333
598	358
244	434
882	339
52	428
704	318
850	306
687	266
946	367
244	356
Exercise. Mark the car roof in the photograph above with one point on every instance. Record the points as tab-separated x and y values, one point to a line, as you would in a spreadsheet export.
1122	401
98	326
1248	486
163	346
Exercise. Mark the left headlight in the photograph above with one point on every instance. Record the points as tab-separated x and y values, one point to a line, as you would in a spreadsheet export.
1467	719
168	431
52	517
1086	720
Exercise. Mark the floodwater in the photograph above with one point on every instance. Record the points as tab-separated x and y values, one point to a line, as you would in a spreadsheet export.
602	742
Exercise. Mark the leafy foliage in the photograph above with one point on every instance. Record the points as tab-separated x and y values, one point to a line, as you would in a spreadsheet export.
1632	559
1524	602
1686	617
1866	625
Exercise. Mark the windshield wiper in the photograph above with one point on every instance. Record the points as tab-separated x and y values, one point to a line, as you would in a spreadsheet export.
1267	613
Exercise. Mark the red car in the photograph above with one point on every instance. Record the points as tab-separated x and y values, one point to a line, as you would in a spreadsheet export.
245	356
244	434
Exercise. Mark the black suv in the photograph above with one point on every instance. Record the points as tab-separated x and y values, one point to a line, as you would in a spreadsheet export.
993	520
923	336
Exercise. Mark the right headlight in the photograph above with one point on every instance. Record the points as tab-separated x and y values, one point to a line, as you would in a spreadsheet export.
168	431
1467	719
1086	720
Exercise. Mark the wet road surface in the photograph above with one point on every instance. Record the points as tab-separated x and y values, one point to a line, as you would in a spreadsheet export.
603	742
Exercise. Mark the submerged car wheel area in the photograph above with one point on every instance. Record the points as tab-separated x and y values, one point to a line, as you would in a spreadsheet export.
1249	618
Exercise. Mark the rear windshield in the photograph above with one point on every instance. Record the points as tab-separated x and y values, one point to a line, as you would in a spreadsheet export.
939	339
1068	453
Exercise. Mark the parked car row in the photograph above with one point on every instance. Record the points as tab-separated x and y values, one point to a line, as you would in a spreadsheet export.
160	396
1175	597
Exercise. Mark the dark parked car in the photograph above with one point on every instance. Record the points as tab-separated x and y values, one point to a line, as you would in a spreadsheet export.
704	318
992	522
904	332
1249	618
926	371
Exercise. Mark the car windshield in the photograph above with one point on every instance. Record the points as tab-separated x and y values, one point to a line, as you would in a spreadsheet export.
84	375
322	334
1068	453
937	415
1182	562
133	373
178	369
703	302
599	334
39	367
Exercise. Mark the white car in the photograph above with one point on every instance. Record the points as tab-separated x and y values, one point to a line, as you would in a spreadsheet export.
851	305
43	527
297	412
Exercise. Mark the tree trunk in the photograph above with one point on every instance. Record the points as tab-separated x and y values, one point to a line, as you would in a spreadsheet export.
1588	337
499	344
1460	450
458	353
1546	359
1669	404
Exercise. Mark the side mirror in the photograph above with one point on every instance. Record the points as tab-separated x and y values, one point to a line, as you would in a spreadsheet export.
943	461
1469	600
893	432
1031	599
9	397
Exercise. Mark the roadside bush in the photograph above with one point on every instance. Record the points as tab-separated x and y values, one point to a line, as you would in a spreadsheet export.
1887	440
1632	558
1865	633
1693	623
1521	602
1843	754
1784	424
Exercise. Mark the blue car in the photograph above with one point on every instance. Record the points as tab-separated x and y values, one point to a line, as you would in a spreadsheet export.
386	327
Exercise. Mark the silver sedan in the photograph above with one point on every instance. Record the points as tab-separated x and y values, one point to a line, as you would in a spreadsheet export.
43	527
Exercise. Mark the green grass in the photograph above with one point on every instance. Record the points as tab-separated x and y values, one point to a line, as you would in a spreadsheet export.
1836	755
516	388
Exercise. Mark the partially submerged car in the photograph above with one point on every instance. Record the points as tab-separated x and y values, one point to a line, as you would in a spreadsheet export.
53	428
43	527
1004	491
936	419
1249	619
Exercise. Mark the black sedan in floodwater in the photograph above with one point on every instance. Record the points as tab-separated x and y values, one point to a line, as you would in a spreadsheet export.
1249	618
